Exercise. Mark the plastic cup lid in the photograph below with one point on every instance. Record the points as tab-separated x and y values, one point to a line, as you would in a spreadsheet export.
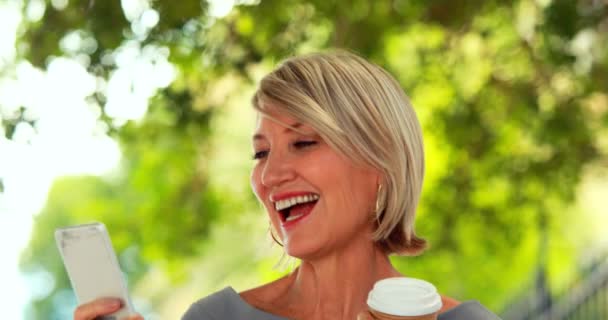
404	297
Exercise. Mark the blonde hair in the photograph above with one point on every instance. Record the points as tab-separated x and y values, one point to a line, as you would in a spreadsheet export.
360	110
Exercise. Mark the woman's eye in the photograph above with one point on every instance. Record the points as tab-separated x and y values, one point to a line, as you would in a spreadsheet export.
304	143
260	154
298	145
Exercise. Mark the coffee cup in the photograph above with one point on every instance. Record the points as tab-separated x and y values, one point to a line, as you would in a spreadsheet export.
403	299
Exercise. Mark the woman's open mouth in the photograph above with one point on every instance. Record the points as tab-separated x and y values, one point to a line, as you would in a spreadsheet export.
293	209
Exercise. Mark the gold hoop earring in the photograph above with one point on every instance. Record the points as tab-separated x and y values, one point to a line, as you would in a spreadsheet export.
270	228
378	205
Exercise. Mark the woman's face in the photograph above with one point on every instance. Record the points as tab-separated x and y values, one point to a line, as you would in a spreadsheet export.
317	200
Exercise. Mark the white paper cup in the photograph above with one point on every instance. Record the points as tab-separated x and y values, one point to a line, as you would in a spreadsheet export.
404	297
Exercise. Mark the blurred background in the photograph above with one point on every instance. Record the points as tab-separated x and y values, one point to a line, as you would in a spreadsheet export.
137	113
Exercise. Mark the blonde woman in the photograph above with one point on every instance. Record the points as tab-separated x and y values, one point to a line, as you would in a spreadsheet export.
339	164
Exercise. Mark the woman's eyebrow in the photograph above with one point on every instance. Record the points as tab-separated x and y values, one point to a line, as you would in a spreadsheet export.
288	128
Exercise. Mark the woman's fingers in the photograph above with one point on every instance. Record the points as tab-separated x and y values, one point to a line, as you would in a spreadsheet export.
364	316
99	307
134	317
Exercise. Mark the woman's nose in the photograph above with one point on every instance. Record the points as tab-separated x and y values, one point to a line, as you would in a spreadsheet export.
278	169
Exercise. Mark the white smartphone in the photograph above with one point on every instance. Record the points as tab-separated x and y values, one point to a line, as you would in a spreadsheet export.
92	266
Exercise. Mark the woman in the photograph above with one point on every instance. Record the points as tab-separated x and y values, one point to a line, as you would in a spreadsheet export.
339	169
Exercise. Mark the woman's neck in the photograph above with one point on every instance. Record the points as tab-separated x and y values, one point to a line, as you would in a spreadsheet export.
336	286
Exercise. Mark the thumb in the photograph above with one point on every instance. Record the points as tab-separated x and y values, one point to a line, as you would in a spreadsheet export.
364	316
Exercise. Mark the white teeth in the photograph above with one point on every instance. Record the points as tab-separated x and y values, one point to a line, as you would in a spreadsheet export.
293	217
290	202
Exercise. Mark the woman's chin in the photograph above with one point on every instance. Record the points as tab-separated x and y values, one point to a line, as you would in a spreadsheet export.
304	250
296	251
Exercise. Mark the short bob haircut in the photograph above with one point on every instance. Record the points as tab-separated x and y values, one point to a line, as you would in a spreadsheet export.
360	110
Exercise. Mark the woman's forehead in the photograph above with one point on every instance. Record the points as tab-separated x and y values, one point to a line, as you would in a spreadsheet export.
288	123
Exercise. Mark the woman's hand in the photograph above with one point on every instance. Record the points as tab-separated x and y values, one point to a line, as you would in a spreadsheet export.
101	307
365	315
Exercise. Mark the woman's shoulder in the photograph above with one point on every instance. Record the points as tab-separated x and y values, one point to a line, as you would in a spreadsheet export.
213	306
226	304
448	303
469	310
268	294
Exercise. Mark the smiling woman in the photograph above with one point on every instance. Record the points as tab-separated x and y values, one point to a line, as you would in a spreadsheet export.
339	169
294	166
361	112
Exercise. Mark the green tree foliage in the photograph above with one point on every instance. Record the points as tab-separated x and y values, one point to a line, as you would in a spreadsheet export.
512	96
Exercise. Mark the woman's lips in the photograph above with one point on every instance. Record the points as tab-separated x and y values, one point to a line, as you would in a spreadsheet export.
285	195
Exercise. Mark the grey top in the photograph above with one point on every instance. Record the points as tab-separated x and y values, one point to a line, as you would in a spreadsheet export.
227	304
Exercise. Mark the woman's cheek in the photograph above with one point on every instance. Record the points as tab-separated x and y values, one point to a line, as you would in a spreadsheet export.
256	183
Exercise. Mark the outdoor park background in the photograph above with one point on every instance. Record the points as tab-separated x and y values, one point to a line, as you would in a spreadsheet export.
137	114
